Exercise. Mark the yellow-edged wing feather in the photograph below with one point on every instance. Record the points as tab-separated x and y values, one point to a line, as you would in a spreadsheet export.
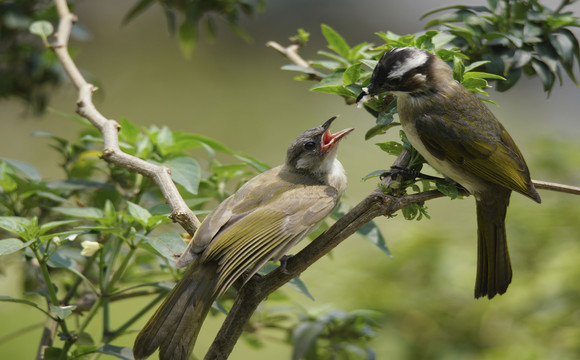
262	220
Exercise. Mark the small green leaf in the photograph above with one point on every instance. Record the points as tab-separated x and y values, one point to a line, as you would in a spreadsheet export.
62	311
476	64
43	29
167	244
15	224
123	353
187	36
304	336
391	147
11	245
186	172
139	213
481	75
447	189
352	74
335	41
82	212
29	171
136	10
53	224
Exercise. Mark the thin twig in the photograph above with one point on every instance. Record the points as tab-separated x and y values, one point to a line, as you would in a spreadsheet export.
112	153
568	189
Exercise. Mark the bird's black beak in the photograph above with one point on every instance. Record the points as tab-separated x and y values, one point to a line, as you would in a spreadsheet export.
328	122
367	91
361	95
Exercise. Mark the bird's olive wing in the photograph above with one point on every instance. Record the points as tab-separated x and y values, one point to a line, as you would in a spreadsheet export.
469	136
267	231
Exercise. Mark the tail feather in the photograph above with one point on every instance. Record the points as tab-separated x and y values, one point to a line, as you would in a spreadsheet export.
175	325
494	271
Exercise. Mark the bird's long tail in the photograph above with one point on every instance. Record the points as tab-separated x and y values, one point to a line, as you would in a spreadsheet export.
175	325
494	270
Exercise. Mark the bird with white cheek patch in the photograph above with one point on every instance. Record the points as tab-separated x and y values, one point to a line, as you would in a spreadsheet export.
459	136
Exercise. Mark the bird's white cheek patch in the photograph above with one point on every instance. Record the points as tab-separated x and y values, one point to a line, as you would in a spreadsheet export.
416	59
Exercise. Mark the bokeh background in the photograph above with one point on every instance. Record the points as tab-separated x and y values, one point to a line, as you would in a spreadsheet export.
425	290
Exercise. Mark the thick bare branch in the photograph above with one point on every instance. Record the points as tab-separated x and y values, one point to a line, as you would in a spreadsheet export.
161	175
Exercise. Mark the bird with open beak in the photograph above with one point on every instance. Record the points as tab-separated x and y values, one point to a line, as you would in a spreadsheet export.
259	222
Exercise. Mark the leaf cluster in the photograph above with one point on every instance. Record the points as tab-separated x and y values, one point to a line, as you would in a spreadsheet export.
98	233
27	72
515	37
186	17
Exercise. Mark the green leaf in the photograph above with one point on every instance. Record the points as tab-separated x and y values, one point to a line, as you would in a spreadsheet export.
41	28
441	39
124	353
11	245
15	224
167	244
544	74
352	74
447	189
371	64
304	336
82	212
139	213
476	64
53	224
29	171
62	311
165	140
391	147
52	353
379	130
371	232
186	172
136	10
335	41
481	75
187	35
191	141
129	131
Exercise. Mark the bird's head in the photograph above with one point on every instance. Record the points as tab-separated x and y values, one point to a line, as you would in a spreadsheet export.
315	149
406	69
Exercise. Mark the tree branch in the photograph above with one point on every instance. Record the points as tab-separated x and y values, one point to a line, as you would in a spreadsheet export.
112	153
568	189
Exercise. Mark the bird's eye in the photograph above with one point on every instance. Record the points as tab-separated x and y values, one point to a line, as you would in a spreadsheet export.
311	145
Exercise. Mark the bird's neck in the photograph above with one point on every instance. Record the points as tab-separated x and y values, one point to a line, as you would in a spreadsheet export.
330	172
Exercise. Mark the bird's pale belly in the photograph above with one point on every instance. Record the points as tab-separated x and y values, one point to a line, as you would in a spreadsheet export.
455	173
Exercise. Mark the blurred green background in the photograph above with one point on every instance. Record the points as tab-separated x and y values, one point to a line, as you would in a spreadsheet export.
425	291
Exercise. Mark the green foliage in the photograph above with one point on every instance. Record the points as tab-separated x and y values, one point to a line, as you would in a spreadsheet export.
515	38
185	17
335	334
27	72
103	229
347	69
